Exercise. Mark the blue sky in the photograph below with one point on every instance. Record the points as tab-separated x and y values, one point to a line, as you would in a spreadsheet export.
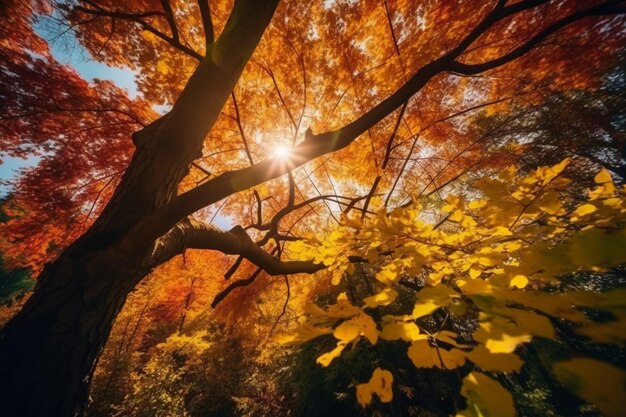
68	51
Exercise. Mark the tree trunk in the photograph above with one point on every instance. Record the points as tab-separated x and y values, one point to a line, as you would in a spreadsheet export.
49	350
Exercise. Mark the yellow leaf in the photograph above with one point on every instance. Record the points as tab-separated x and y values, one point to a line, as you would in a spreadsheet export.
597	248
452	358
614	203
500	362
602	177
448	337
387	274
383	298
601	384
347	331
342	309
519	281
456	216
475	286
502	231
314	310
402	330
557	305
484	261
359	325
431	298
549	173
474	273
328	357
528	321
477	204
468	222
423	355
501	336
336	277
423	308
459	308
486	397
303	333
585	209
511	246
380	384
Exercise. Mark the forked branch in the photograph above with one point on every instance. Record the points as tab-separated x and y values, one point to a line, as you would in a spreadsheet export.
193	234
317	145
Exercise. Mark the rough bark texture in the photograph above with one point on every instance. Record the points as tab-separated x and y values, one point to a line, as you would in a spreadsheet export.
49	350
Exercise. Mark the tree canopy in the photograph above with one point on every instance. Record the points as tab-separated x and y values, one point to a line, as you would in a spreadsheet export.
438	182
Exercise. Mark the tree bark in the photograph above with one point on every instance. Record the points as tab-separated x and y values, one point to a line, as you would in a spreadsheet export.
49	350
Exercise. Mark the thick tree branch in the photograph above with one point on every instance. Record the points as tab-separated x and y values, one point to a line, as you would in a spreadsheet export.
193	234
314	146
498	13
272	226
167	147
201	101
605	8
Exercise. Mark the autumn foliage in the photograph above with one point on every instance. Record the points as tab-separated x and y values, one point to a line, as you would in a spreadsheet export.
371	195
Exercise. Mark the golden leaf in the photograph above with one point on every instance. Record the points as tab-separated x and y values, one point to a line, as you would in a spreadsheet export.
423	355
585	209
487	361
303	333
328	357
519	281
501	336
359	325
380	383
486	397
401	330
383	298
603	177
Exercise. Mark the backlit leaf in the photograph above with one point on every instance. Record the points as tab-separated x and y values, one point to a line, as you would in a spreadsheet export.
381	384
486	397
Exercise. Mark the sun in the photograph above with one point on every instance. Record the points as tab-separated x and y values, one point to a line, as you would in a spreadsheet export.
281	152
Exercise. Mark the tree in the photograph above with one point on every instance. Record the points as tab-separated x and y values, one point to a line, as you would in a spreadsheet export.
439	61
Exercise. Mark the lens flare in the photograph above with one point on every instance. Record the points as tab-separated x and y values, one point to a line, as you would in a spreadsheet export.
281	152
